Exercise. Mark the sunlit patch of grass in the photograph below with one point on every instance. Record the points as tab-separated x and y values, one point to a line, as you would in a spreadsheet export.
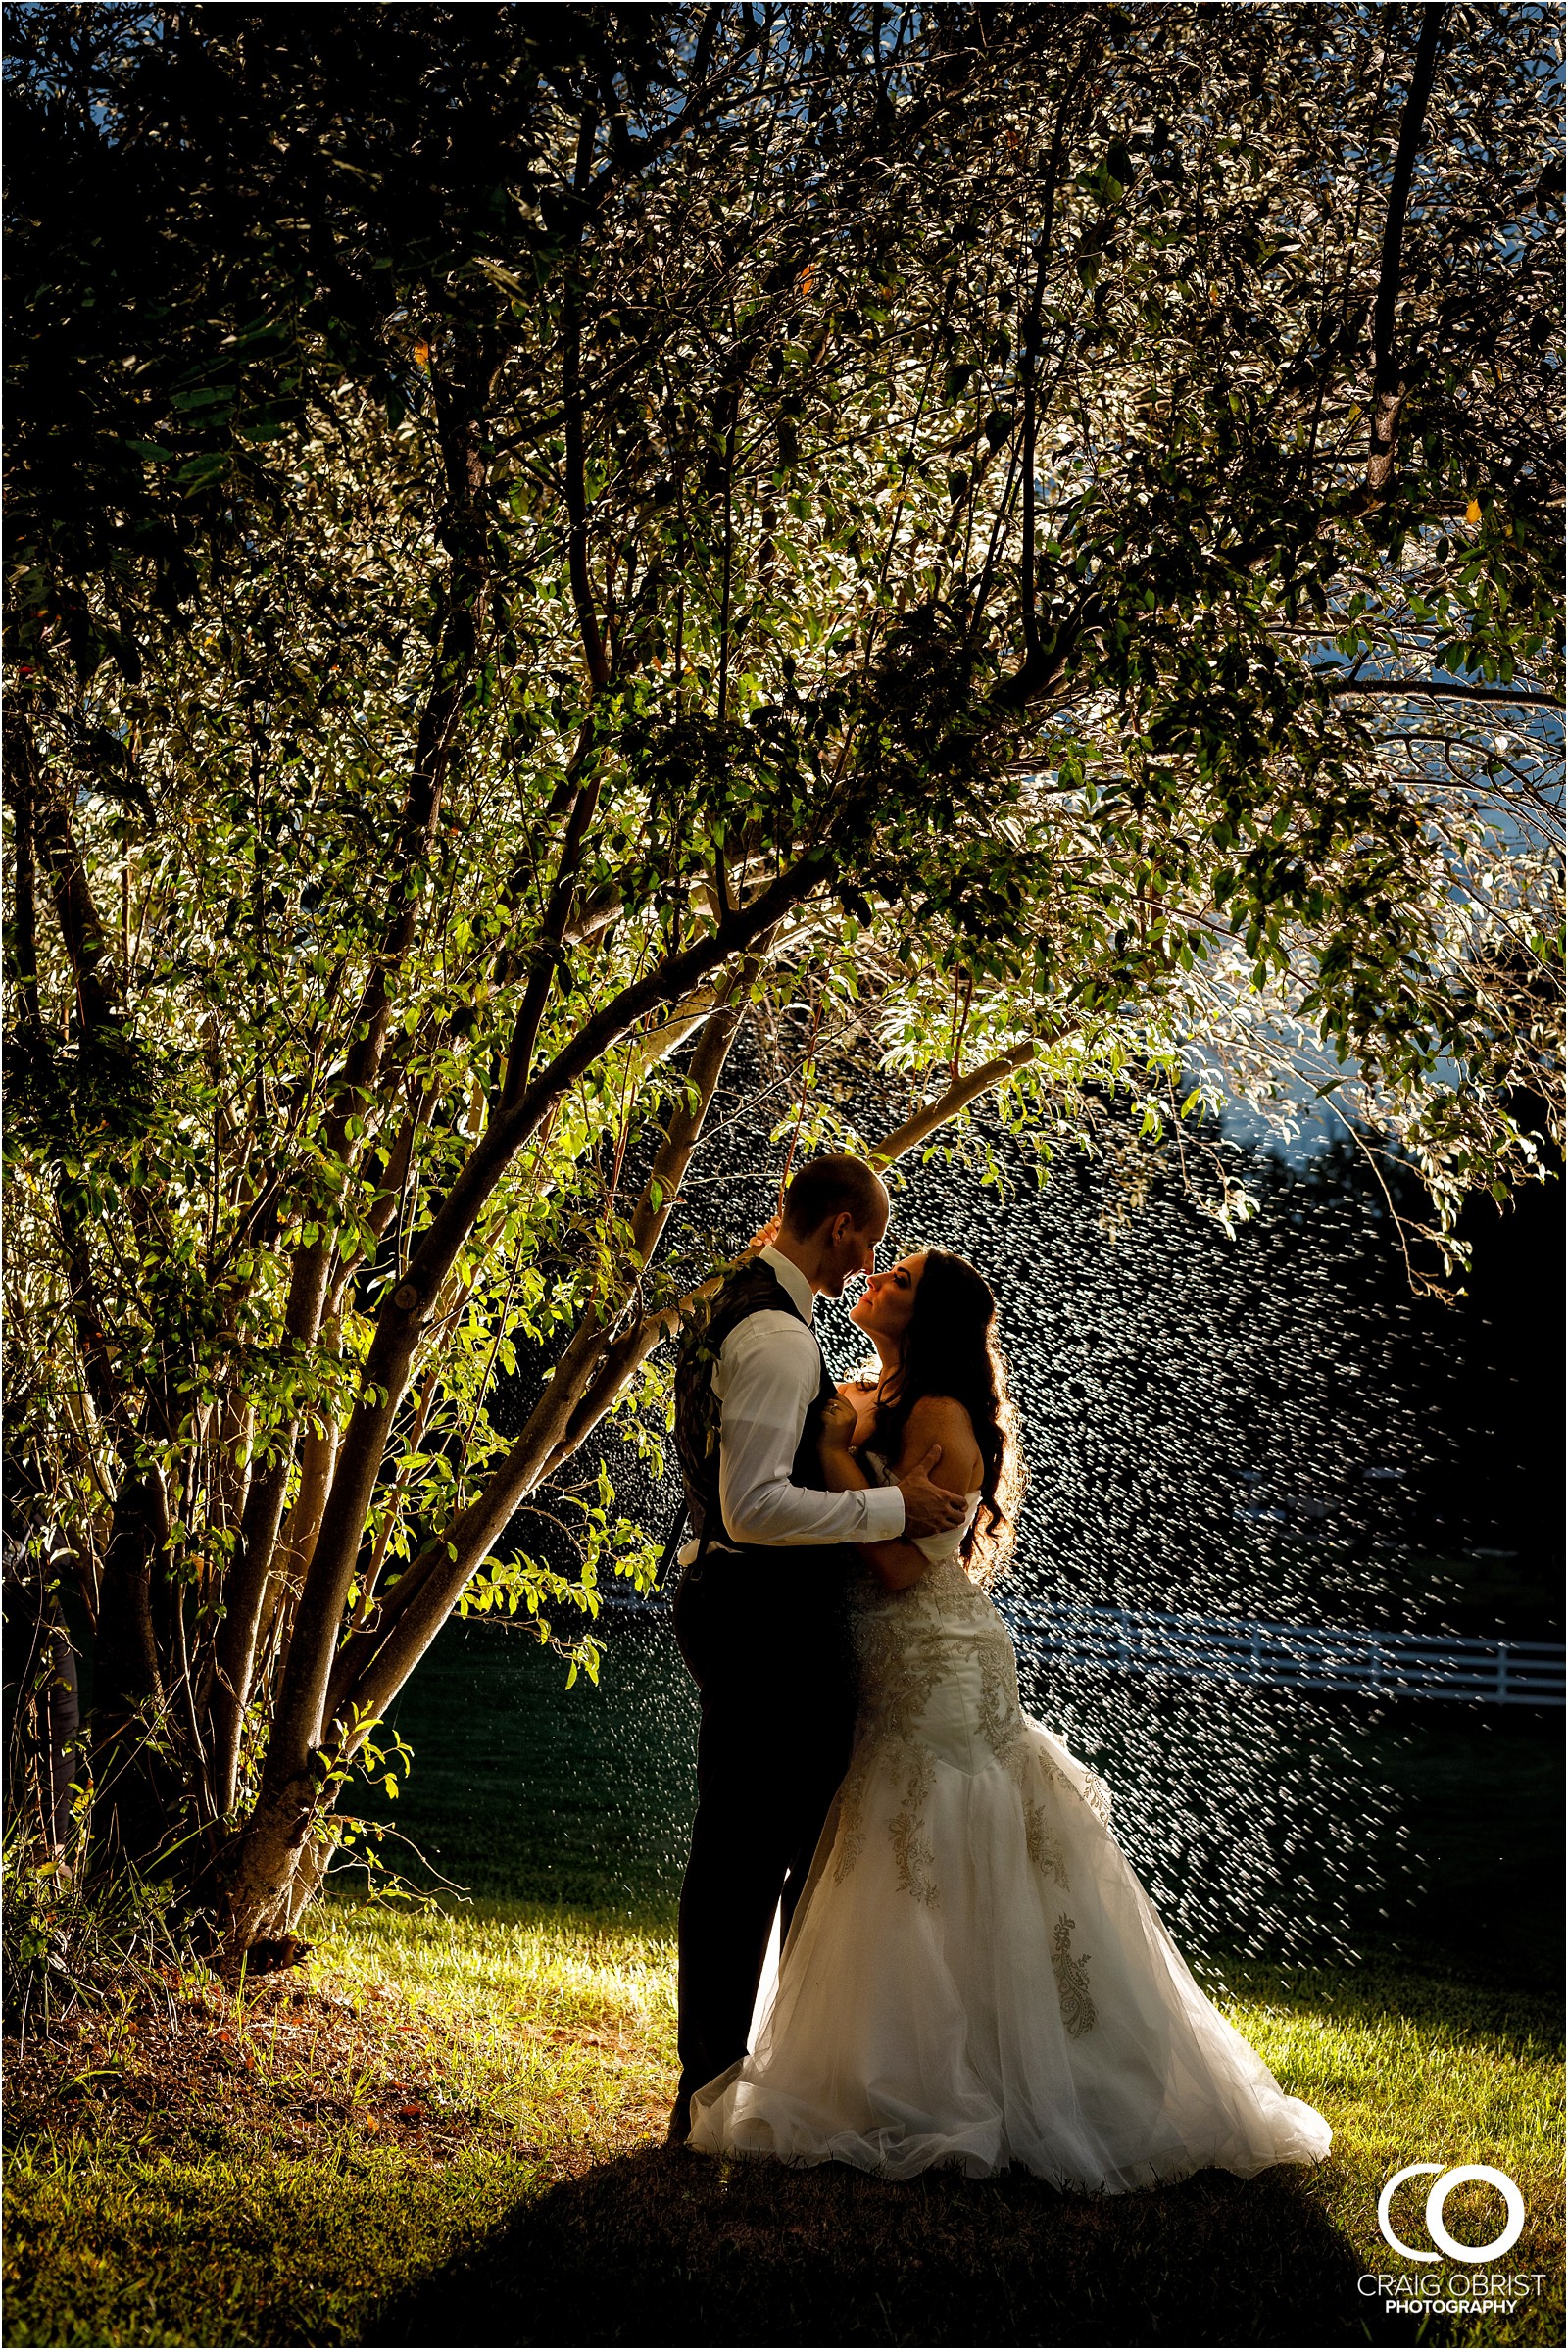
108	2250
544	2021
275	2171
453	2139
491	1960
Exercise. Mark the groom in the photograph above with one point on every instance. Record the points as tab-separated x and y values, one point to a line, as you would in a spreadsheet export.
760	1610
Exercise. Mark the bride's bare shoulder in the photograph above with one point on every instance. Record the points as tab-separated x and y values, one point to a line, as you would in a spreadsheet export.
942	1415
942	1420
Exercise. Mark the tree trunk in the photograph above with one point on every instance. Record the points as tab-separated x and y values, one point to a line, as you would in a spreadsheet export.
135	1793
257	1899
254	1882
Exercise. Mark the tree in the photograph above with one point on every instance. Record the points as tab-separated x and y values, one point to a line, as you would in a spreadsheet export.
541	536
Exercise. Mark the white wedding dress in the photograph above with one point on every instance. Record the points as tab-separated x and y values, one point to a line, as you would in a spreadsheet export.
974	1976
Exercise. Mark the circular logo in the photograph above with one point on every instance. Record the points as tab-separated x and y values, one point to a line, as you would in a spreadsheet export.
1437	2196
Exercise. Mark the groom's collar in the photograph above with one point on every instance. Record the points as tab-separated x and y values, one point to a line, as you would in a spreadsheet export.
792	1280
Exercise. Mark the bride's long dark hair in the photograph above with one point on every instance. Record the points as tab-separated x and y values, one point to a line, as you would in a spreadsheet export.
950	1349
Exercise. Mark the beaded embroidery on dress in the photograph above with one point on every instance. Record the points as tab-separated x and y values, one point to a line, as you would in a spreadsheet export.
975	1976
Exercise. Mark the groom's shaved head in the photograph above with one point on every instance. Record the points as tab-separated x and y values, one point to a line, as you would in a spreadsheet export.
834	1186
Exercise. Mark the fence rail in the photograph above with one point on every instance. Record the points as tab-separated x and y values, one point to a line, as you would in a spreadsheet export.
1305	1656
1382	1664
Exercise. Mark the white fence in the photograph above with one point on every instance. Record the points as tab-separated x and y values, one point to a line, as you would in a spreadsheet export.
1374	1664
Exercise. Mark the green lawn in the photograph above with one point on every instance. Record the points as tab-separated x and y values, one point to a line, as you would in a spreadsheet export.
448	2132
529	1790
528	2204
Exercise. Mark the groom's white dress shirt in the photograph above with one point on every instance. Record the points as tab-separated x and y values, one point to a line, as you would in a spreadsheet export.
765	1381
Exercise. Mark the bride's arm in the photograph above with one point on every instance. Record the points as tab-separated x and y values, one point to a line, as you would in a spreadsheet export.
842	1473
935	1420
896	1564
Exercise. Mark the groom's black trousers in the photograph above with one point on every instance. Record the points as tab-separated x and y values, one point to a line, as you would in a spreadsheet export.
764	1635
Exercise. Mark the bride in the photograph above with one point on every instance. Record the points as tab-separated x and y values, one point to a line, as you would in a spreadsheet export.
974	1976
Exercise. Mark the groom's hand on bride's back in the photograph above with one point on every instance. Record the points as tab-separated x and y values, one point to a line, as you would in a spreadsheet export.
929	1509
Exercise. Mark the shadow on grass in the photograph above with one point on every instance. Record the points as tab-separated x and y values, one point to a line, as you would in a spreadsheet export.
658	2248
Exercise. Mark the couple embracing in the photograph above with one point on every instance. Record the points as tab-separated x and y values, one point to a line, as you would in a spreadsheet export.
971	1973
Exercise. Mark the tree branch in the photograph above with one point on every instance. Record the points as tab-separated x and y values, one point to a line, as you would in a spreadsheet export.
557	914
636	152
370	1675
556	923
947	1106
571	401
23	939
1445	690
1031	354
673	1157
86	940
1390	382
102	1383
245	1590
429	1588
299	1718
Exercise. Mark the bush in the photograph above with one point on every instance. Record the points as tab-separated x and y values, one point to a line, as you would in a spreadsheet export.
72	1940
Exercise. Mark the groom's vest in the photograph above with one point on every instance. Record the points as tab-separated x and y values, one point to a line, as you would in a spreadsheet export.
755	1290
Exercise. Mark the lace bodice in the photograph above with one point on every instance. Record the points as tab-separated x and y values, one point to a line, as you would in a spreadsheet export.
939	1683
906	1640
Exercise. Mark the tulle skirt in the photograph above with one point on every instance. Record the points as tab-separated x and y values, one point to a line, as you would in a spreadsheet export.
975	1978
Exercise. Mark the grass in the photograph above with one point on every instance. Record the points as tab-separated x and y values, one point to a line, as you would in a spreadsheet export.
448	2134
276	2165
444	2128
524	1789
